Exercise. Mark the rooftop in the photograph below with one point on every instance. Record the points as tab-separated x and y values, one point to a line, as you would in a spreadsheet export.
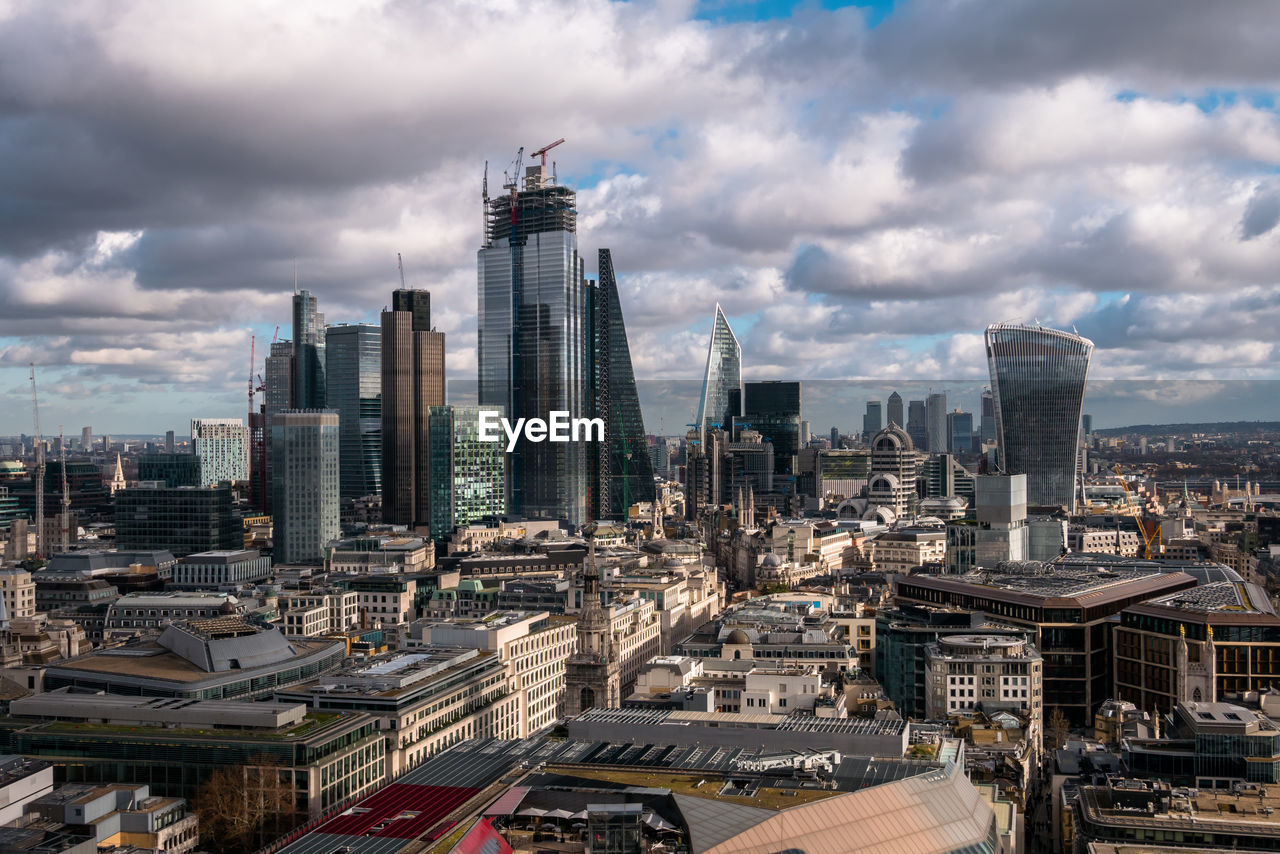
1218	598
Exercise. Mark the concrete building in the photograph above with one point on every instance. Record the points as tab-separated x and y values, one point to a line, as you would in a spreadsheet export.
986	672
825	544
121	816
998	532
891	487
1070	606
534	648
222	447
316	613
22	781
19	592
903	550
218	570
936	438
173	745
304	485
151	611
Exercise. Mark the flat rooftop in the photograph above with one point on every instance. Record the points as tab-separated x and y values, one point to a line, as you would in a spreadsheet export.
1219	597
780	723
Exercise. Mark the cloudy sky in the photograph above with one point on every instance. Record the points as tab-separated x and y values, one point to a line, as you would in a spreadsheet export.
862	188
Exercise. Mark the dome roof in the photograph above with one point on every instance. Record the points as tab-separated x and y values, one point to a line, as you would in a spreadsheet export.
895	436
771	560
737	636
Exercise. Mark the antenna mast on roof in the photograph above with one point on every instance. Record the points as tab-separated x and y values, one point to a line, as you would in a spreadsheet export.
400	264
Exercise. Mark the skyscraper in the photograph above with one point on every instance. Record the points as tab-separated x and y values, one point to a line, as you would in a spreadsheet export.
86	439
894	413
916	426
222	446
960	432
353	373
987	428
308	353
277	394
935	408
723	374
168	442
622	470
532	344
772	409
467	476
304	485
412	383
873	420
1038	379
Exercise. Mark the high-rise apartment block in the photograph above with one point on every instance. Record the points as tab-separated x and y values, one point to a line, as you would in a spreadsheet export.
1038	380
533	337
308	353
353	373
304	485
222	446
467	475
412	383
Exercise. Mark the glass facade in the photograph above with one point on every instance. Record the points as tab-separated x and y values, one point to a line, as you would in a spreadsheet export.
532	345
353	371
622	468
308	353
173	469
1038	380
467	475
894	411
723	375
304	485
873	420
181	520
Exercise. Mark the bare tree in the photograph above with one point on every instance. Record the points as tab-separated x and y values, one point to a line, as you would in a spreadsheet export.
243	806
1058	728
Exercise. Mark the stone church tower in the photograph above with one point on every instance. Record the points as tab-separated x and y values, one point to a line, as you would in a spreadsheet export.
593	676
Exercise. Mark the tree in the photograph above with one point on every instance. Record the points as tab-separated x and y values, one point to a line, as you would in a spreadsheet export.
243	806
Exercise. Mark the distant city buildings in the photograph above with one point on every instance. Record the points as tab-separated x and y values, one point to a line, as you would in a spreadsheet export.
723	375
353	376
308	353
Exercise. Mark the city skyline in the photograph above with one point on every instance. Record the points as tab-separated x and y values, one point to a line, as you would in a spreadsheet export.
868	228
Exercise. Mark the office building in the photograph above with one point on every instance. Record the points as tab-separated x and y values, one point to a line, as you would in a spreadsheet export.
894	412
960	432
221	570
1038	381
990	673
467	476
170	469
936	437
308	353
304	485
917	424
1071	606
987	425
772	409
353	376
222	447
173	746
533	337
182	520
412	383
86	439
873	420
79	817
621	472
723	374
169	442
997	531
891	485
1211	745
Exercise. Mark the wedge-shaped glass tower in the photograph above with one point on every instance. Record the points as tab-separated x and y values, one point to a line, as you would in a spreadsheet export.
723	375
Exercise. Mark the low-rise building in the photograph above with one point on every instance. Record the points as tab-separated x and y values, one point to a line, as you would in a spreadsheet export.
316	613
221	570
122	816
138	612
903	550
382	551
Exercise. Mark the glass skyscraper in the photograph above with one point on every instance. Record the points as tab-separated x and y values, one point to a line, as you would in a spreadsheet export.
353	374
873	420
533	337
621	467
723	375
304	485
1038	379
308	353
772	409
467	475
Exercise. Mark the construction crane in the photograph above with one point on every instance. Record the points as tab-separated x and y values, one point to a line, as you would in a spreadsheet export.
1147	539
39	448
484	206
65	522
542	152
400	264
253	340
513	181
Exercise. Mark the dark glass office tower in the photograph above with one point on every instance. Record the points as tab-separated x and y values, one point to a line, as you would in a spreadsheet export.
412	383
278	396
621	467
988	422
917	427
894	413
873	420
308	353
772	409
935	409
1038	379
532	345
723	376
468	481
353	372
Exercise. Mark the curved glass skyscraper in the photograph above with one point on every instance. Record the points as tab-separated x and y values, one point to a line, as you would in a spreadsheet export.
1037	380
724	374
